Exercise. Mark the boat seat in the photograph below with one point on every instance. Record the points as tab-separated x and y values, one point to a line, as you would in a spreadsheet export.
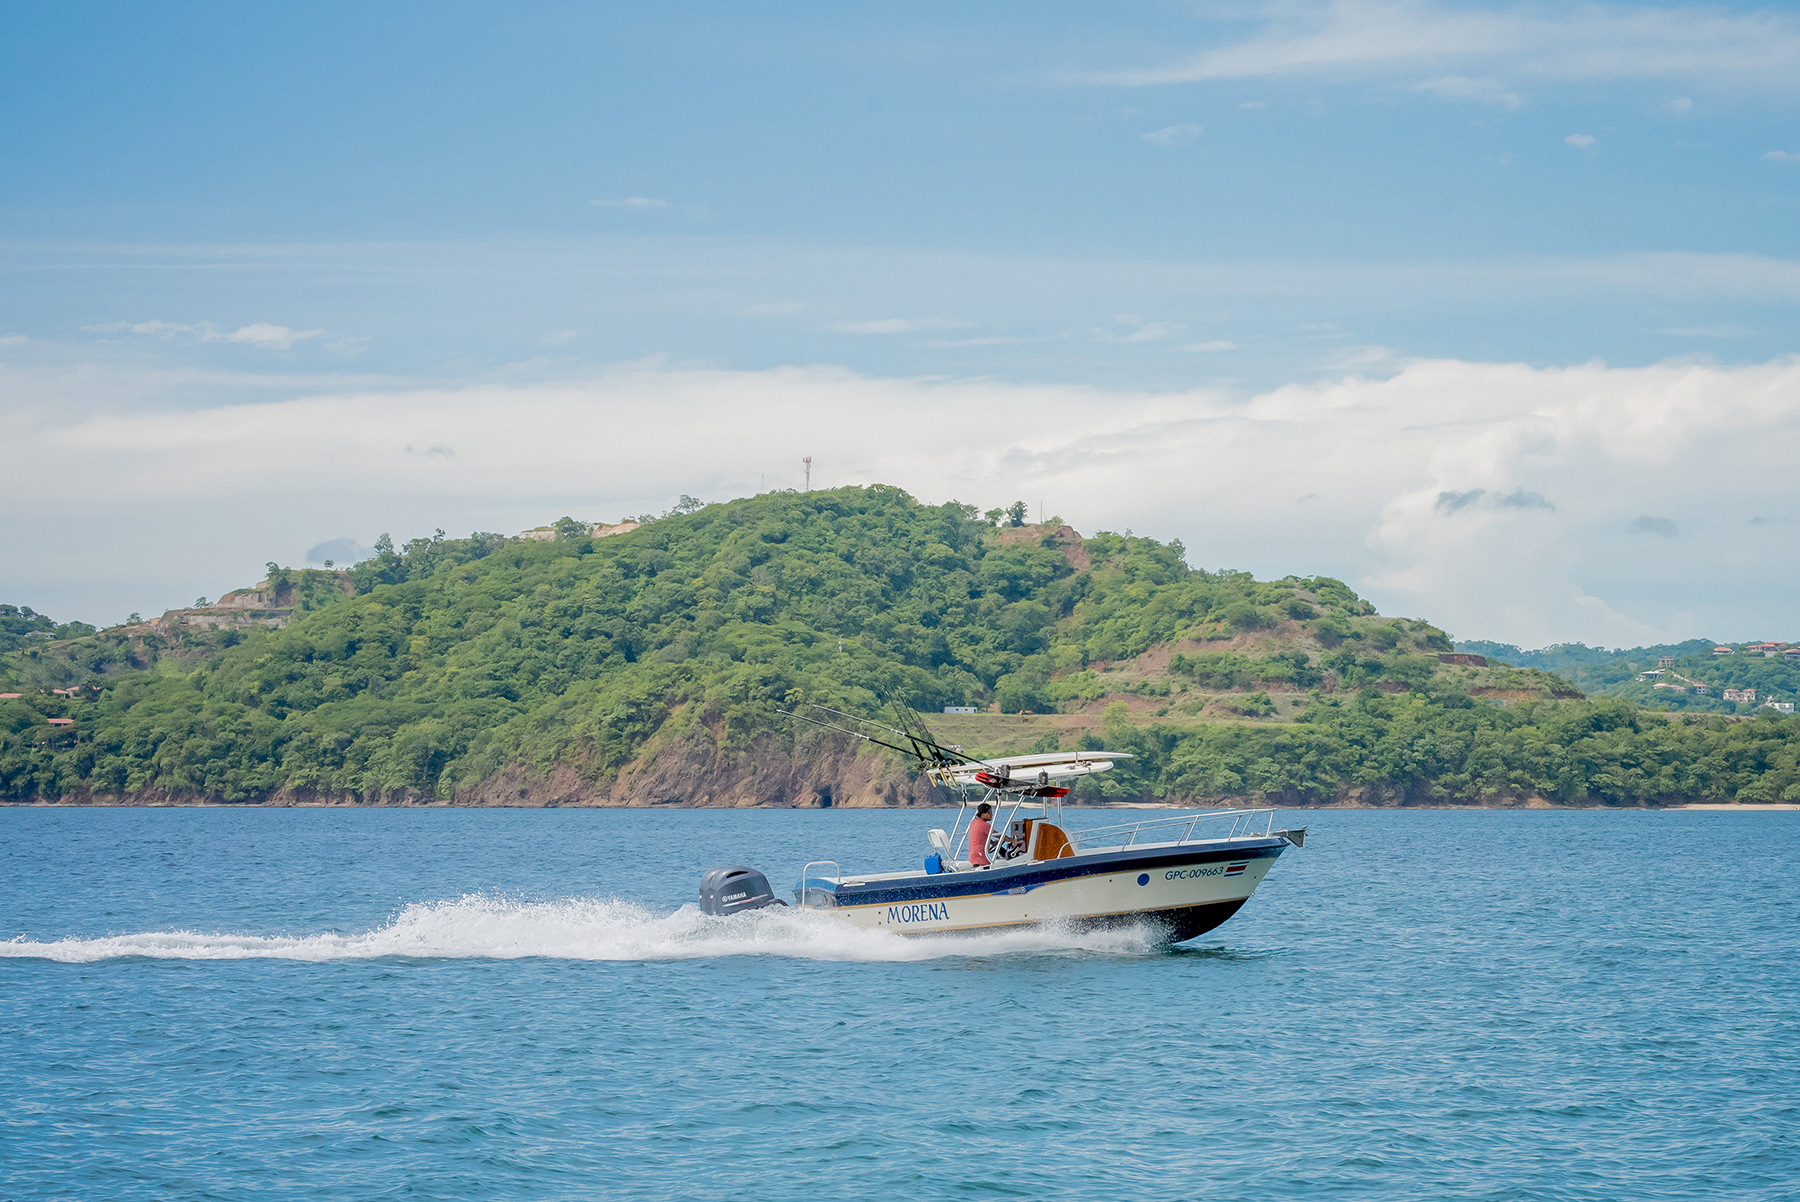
1049	842
940	843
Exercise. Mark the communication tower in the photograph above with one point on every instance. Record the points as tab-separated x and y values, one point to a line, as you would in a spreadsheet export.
807	460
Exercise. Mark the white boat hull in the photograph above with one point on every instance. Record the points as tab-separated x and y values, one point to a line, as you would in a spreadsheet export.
1179	890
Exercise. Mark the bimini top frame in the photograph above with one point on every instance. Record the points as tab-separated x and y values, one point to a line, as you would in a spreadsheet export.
1008	783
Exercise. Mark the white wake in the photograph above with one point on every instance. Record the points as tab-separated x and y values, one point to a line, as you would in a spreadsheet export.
479	926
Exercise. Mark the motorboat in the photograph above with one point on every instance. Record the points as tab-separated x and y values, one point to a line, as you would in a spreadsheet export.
1175	875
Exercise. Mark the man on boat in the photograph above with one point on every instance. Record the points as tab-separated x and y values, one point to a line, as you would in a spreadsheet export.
979	830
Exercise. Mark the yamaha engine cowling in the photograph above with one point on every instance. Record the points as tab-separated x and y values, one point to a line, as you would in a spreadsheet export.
734	889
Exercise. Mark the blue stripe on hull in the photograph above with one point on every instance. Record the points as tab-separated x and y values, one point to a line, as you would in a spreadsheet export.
982	882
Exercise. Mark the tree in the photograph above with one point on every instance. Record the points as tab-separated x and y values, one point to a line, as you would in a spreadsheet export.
994	515
1016	513
1019	692
566	527
1243	617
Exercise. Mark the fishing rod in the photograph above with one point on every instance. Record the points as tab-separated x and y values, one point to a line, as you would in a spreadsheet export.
946	755
905	734
930	774
855	734
916	730
936	767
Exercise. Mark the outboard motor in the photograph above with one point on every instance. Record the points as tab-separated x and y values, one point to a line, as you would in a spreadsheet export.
734	889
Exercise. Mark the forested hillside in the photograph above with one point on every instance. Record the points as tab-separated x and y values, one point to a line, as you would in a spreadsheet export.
1695	682
20	627
649	668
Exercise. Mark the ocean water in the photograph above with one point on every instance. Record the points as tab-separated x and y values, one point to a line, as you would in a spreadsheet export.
329	1004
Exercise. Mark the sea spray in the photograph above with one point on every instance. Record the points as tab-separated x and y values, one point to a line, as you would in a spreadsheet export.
485	926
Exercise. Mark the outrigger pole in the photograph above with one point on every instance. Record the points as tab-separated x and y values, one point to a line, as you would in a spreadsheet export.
936	762
943	757
939	763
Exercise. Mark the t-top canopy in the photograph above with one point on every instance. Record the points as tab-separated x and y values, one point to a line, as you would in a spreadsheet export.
1028	771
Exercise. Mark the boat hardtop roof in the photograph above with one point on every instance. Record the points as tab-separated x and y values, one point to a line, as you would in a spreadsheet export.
1044	766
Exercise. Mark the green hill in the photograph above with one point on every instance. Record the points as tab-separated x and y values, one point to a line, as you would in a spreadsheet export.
20	627
1694	681
649	668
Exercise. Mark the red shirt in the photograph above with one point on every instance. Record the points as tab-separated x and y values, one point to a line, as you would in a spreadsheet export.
978	840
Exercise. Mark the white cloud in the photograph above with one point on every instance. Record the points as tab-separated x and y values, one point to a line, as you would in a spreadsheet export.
1681	106
1174	135
1216	344
1582	141
1782	156
1251	105
559	338
261	333
1139	330
1481	91
1389	38
774	308
1722	330
1492	498
897	325
1362	359
160	329
14	340
631	202
1673	274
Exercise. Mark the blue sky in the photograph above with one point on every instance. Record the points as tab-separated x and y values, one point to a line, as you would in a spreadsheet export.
1577	222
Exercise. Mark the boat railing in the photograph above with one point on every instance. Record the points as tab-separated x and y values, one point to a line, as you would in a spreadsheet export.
1177	828
814	893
